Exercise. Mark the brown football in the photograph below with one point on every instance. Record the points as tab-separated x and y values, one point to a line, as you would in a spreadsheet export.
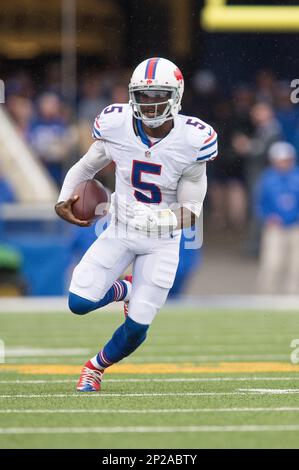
92	202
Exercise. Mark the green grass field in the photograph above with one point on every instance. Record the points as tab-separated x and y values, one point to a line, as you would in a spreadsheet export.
203	379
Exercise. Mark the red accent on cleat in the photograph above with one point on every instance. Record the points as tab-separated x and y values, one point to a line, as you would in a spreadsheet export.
90	379
126	309
128	278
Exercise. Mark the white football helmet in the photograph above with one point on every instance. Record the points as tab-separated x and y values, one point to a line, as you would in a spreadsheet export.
156	83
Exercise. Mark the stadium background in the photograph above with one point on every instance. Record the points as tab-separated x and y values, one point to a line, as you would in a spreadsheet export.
61	64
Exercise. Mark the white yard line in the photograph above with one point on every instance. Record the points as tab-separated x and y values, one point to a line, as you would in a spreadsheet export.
21	352
149	429
270	391
241	391
103	395
152	411
209	358
32	356
174	380
214	348
24	351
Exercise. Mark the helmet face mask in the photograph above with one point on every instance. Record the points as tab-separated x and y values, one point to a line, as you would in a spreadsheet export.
152	106
156	99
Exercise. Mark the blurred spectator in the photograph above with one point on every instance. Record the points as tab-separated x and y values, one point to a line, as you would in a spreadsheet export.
226	191
50	135
6	192
265	86
92	102
227	188
20	84
295	139
120	94
278	208
286	112
253	148
21	110
52	79
201	99
266	130
92	99
243	98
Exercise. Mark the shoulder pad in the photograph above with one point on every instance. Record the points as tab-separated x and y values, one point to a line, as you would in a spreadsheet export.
111	118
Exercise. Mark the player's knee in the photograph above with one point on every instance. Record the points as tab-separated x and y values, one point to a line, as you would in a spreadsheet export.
141	311
135	332
79	305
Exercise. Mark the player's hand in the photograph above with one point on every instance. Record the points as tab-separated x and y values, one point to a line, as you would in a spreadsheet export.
144	218
64	210
150	220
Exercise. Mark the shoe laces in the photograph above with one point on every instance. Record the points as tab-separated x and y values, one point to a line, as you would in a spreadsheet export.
91	376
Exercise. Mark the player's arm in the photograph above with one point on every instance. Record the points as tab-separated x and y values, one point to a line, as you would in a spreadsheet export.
86	168
191	192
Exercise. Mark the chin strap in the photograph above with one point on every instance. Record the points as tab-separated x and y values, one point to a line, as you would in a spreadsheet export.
153	123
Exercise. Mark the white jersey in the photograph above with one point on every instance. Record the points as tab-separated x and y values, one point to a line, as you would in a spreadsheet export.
150	173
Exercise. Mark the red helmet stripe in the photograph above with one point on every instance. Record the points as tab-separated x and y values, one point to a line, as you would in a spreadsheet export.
150	71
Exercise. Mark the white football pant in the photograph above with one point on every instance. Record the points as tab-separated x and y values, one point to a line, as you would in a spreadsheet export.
155	262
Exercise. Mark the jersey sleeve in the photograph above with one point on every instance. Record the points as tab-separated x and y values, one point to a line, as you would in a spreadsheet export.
97	131
108	121
209	147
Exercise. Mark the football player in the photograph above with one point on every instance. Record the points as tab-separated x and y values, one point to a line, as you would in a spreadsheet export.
160	158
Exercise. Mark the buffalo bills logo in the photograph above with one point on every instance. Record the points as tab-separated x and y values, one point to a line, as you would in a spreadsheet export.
178	75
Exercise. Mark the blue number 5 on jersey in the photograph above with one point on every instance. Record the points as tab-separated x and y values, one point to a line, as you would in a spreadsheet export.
138	168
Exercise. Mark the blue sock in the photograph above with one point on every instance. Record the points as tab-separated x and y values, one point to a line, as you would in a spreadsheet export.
124	341
81	306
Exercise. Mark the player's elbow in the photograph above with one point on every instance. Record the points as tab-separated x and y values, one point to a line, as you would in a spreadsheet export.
190	213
